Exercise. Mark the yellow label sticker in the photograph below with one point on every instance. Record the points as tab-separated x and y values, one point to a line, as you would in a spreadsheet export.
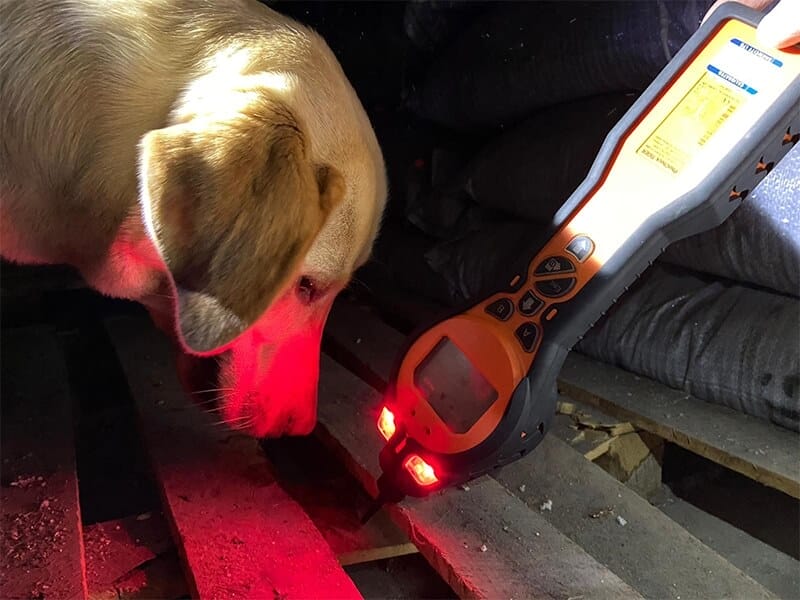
688	126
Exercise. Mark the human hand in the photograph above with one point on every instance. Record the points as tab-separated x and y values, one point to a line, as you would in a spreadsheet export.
779	28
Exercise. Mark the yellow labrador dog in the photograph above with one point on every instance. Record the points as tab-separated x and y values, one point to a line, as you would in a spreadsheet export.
207	159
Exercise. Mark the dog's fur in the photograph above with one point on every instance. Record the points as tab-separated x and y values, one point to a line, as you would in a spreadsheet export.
207	159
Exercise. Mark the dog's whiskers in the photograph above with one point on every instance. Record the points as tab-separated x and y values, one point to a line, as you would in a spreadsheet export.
213	390
239	422
207	401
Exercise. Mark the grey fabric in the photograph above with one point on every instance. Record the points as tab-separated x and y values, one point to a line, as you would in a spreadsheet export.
727	344
760	243
523	56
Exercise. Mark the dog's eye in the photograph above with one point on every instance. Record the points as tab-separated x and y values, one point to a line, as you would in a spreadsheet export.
307	290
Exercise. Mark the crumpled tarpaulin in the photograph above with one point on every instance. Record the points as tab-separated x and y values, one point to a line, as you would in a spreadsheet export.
728	344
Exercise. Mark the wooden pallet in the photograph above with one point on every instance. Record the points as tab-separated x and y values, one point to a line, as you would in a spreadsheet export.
650	554
238	533
492	540
753	447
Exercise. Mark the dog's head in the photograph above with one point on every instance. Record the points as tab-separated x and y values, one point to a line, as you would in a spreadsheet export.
259	230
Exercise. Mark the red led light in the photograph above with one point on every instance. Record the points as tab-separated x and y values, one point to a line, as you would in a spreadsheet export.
386	423
421	471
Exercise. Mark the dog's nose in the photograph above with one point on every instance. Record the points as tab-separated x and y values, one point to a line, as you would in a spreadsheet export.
298	425
276	419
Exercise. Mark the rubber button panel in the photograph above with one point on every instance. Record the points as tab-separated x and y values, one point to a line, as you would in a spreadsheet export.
501	309
554	265
555	288
527	334
581	247
529	304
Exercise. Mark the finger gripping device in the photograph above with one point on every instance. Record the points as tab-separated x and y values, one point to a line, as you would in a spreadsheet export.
477	390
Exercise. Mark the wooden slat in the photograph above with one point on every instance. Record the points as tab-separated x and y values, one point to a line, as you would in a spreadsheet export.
751	446
240	533
651	552
42	551
334	501
376	552
524	556
115	548
160	578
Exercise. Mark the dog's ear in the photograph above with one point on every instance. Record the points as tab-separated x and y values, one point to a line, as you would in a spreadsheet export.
233	204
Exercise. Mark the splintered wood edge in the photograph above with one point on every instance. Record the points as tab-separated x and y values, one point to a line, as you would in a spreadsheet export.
638	399
380	553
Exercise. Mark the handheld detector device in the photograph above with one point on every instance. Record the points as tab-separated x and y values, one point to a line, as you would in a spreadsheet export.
477	390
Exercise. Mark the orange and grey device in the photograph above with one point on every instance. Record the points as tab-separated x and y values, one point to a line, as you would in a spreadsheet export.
477	390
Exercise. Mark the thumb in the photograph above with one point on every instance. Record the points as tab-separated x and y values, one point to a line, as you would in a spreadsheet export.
781	26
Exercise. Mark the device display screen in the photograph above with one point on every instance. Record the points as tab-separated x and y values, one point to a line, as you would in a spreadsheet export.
456	390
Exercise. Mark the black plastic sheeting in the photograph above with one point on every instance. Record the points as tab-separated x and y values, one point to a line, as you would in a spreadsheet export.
759	245
526	173
431	24
519	57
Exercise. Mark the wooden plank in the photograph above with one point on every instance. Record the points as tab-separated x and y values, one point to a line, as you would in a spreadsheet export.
375	552
116	548
162	578
485	543
355	333
42	550
750	446
650	552
334	501
240	534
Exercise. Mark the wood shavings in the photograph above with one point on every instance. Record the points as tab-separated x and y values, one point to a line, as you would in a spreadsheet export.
602	513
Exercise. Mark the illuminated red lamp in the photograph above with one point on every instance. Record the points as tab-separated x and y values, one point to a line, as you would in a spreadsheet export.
386	423
421	471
